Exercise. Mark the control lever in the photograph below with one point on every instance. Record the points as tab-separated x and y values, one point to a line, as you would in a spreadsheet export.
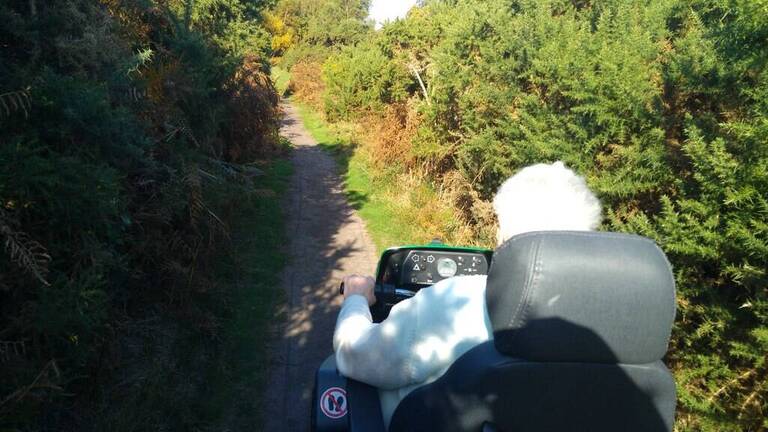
376	290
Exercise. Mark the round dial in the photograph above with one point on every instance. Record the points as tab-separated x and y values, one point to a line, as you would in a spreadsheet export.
446	267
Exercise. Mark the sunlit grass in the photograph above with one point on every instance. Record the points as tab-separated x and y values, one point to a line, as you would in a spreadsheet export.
281	79
397	210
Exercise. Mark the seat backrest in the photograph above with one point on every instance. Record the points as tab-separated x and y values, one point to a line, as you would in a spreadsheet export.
581	321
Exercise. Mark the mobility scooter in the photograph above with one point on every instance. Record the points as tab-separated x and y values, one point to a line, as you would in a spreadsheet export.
581	322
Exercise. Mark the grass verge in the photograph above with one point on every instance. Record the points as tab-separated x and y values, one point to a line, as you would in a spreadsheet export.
281	79
387	205
253	272
397	207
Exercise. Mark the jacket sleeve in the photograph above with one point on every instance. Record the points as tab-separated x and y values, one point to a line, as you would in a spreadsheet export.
376	354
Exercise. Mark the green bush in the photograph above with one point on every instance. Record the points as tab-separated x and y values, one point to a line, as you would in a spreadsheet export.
362	78
320	27
302	53
662	106
119	171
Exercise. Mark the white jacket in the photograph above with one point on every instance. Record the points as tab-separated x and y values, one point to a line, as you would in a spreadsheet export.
417	343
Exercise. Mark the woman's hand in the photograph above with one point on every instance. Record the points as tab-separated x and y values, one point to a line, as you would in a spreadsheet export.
359	285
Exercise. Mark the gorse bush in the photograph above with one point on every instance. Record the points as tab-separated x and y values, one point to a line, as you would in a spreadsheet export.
362	78
306	82
124	125
662	105
311	30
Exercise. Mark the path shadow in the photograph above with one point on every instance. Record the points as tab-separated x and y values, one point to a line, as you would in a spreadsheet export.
327	241
342	152
357	199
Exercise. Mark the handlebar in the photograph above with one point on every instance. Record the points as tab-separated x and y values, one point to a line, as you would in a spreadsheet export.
403	293
384	299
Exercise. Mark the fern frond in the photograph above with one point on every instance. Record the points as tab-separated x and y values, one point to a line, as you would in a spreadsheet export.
219	223
180	246
135	94
186	130
209	176
26	252
195	199
175	268
46	379
16	101
196	203
180	128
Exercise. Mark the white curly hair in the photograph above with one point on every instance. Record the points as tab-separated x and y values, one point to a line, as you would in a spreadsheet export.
545	197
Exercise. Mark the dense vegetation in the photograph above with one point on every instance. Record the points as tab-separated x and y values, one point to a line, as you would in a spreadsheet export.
662	105
128	129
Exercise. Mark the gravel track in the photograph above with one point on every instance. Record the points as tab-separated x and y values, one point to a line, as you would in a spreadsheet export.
327	240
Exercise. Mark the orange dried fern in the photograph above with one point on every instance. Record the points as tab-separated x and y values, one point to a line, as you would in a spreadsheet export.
253	111
307	83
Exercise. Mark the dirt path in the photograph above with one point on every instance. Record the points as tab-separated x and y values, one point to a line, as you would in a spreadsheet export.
328	240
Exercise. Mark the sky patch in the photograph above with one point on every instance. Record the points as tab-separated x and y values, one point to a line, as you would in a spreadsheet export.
389	10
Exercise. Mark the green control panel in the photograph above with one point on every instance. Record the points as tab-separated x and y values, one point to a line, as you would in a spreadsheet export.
429	267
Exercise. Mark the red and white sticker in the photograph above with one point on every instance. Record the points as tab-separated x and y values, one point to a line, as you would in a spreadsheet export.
333	403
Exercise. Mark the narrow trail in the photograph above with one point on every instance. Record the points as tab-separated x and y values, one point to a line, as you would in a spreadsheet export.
327	240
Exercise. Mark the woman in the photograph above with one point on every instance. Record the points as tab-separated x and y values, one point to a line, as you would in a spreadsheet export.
425	334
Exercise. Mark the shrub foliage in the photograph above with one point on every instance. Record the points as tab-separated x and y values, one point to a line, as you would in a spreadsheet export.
662	105
124	125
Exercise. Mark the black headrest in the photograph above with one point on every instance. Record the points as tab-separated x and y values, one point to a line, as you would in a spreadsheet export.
619	287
